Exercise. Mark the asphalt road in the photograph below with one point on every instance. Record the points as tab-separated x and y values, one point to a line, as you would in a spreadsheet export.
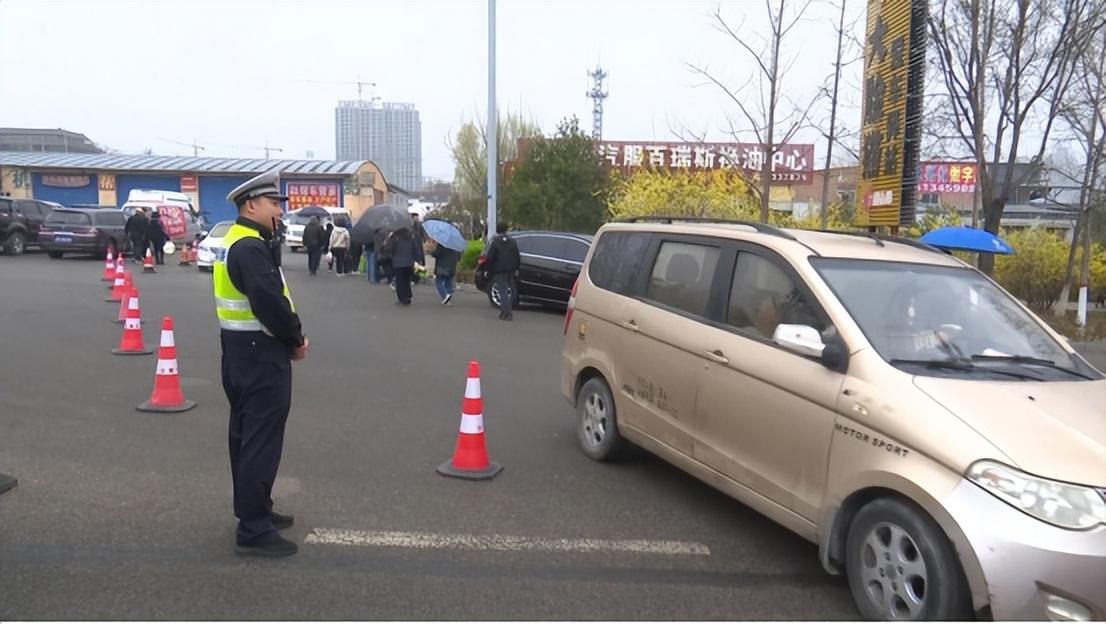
127	515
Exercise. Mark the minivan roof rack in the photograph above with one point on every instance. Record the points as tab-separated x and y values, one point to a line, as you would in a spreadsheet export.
910	242
762	228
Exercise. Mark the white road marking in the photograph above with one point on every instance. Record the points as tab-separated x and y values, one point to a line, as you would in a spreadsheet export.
398	539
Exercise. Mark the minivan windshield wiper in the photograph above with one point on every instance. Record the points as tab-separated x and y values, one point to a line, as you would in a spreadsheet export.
1029	359
960	365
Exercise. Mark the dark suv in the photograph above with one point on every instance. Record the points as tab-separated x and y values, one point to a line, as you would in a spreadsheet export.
551	262
20	222
84	230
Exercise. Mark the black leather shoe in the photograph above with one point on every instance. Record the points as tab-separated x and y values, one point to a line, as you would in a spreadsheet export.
281	522
268	545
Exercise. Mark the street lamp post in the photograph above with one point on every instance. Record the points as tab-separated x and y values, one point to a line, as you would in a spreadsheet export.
493	122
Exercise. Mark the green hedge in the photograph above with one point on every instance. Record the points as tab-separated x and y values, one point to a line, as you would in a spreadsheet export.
471	254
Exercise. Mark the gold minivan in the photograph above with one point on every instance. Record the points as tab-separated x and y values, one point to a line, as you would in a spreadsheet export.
943	446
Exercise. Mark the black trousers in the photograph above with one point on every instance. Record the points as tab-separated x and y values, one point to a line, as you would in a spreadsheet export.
138	244
257	379
313	256
158	252
339	254
403	283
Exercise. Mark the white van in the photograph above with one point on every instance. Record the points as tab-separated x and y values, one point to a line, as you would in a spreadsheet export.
179	218
294	222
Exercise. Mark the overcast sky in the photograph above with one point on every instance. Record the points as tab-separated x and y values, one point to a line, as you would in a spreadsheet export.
232	74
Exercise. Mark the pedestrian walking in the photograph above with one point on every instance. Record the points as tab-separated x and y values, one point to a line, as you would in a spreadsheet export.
445	268
155	237
405	253
339	246
327	231
503	262
135	229
383	256
313	243
261	335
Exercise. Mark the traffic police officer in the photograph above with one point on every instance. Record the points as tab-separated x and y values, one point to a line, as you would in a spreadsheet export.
261	335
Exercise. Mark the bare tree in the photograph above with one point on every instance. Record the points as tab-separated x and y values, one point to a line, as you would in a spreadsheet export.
831	135
764	117
1085	115
1006	66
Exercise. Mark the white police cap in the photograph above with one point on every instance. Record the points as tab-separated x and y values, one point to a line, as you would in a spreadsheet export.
264	185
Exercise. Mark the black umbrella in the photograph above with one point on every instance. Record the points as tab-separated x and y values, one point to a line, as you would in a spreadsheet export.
313	211
380	216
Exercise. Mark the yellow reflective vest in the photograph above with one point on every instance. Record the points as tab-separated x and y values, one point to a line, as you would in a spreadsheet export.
231	305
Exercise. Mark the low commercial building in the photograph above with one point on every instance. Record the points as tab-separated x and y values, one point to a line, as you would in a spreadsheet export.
108	179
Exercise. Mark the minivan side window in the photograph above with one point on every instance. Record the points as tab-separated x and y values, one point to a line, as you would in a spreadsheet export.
617	256
763	297
682	276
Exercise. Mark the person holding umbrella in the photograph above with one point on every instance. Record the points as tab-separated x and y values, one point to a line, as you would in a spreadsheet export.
405	253
445	267
448	245
313	241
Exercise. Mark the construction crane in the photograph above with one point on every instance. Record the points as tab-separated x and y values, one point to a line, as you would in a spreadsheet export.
195	147
361	84
252	147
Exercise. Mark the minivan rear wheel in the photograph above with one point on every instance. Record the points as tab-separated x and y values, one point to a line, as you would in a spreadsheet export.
901	566
597	421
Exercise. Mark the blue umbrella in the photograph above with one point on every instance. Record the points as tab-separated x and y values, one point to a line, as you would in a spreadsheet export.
445	234
967	239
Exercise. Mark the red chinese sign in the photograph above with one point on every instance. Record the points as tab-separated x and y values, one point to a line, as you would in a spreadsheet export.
947	177
303	194
790	163
65	181
188	184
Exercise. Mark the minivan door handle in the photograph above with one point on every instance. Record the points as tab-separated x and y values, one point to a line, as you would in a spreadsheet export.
631	325
717	356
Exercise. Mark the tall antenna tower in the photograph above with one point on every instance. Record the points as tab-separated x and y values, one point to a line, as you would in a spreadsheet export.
597	95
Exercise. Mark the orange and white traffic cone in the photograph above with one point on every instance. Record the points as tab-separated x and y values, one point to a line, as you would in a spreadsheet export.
109	268
470	456
125	302
167	396
148	263
118	289
130	343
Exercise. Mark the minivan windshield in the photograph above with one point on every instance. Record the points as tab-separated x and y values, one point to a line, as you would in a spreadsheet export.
945	320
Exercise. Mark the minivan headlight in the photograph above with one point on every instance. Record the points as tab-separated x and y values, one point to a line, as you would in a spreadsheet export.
1062	504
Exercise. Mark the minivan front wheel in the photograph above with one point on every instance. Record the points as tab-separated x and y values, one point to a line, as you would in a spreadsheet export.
596	422
901	566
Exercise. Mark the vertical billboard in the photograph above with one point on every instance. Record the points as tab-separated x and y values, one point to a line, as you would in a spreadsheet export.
891	121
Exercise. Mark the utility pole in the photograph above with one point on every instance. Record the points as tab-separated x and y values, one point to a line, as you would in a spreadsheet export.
493	123
597	95
833	120
196	148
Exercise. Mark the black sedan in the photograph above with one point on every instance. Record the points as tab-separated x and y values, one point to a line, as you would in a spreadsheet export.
551	262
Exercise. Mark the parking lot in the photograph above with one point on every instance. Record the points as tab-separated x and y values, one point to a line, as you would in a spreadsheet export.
122	514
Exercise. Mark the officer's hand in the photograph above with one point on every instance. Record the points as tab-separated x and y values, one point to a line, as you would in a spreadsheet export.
300	352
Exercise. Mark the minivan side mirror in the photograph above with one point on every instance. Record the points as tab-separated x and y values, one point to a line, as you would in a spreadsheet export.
802	339
805	340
